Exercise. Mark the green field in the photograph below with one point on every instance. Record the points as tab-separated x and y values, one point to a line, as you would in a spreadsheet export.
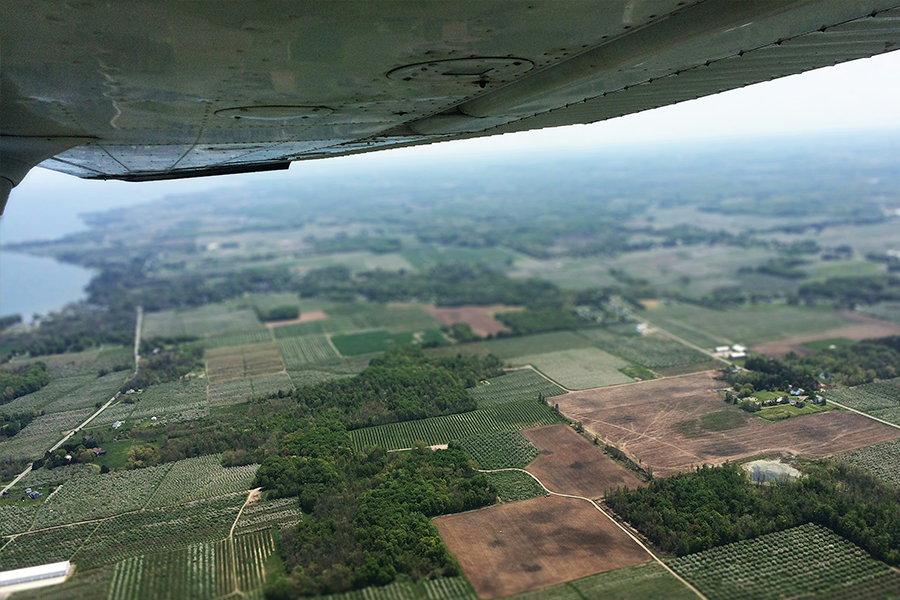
829	343
646	350
513	486
426	256
523	384
259	336
880	460
442	430
205	321
786	411
357	344
788	564
507	348
879	399
303	350
747	325
500	450
580	369
59	389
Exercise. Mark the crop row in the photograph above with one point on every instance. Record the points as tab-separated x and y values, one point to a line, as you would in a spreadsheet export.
302	350
238	339
52	545
869	397
394	591
16	519
441	430
100	389
251	551
226	393
186	573
56	389
42	433
880	460
279	513
447	588
500	450
648	351
524	384
199	478
203	321
173	401
266	385
515	485
804	560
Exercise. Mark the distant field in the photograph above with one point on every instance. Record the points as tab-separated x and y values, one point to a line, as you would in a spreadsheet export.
523	384
579	369
646	350
426	256
479	318
204	321
328	371
238	339
233	391
302	350
527	545
507	348
804	560
880	460
441	430
749	325
356	344
889	311
880	399
233	362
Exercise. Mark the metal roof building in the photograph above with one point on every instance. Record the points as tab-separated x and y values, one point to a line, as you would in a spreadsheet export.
29	574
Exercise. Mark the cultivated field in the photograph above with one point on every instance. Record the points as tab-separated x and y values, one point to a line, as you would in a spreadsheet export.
672	425
500	450
278	513
356	344
507	348
479	318
513	486
523	384
880	399
306	349
579	369
569	464
865	328
329	371
203	321
174	401
259	336
200	478
442	430
234	362
880	460
788	564
535	543
43	432
650	351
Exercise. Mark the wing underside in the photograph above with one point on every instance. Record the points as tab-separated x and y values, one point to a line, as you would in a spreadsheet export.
139	91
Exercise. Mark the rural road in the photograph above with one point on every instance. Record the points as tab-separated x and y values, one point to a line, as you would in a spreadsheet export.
616	523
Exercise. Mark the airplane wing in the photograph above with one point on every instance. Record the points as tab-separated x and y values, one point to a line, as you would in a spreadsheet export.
136	90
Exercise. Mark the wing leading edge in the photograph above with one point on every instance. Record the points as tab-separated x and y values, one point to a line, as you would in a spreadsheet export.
139	91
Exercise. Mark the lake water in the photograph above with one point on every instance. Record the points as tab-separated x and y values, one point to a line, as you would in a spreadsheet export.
31	284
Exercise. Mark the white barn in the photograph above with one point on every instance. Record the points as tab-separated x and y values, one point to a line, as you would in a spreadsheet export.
30	575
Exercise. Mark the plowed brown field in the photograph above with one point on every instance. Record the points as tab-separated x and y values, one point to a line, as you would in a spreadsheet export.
521	546
643	420
570	464
480	318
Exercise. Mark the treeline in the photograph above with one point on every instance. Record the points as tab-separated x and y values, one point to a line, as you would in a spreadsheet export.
18	381
853	364
78	327
765	373
711	507
279	313
401	385
847	292
368	517
345	243
10	425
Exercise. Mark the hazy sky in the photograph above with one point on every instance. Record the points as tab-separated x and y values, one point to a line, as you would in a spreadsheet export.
858	95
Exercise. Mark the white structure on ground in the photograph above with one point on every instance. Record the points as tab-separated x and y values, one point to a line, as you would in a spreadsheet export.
31	575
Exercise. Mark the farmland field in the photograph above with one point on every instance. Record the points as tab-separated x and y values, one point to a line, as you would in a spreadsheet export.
356	344
531	544
204	321
234	362
266	385
89	585
880	460
479	318
804	560
441	430
234	391
507	348
42	433
199	478
302	350
186	573
661	423
278	513
329	371
259	336
56	389
513	486
646	350
751	325
570	464
579	369
100	389
500	450
522	384
41	547
174	401
877	399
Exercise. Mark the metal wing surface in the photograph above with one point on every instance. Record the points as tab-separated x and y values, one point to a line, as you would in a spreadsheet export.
138	90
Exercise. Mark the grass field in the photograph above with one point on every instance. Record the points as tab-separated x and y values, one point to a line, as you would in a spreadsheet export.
500	450
646	350
804	560
523	384
507	348
580	369
748	325
306	349
513	486
356	344
205	321
889	311
442	430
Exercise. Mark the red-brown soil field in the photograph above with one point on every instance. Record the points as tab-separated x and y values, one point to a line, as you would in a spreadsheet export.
569	464
521	546
480	318
660	424
868	327
305	317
